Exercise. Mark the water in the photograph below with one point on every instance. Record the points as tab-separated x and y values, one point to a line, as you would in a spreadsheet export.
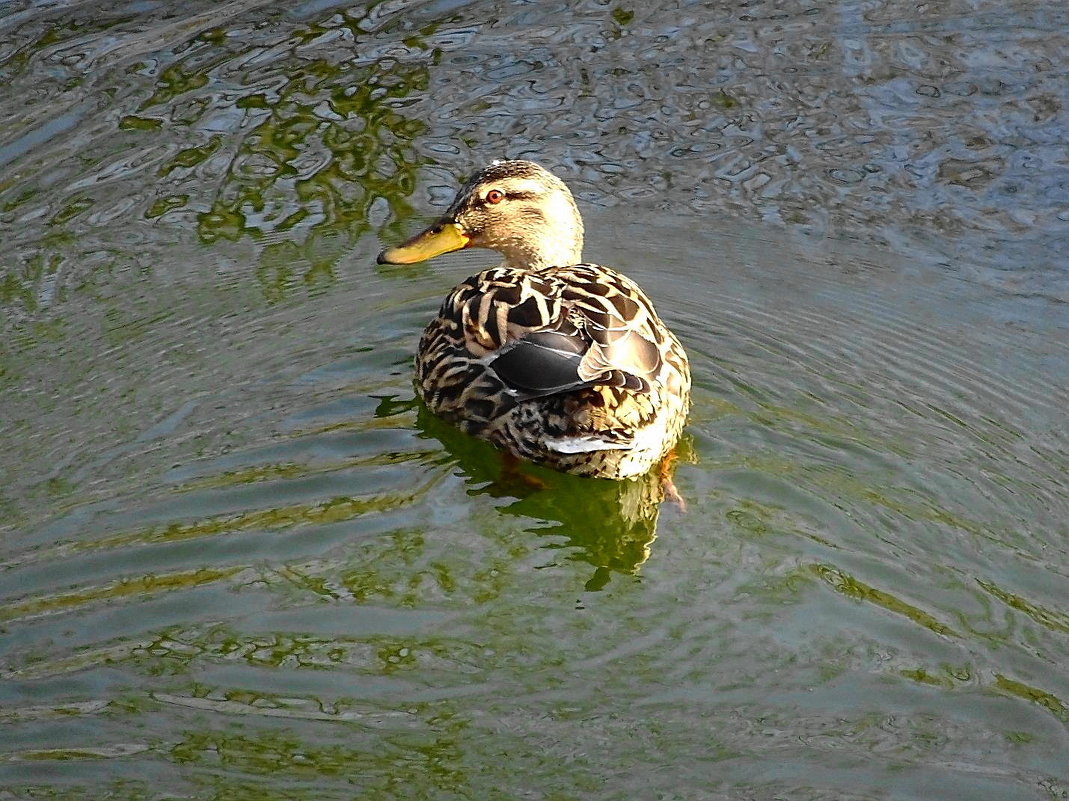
238	561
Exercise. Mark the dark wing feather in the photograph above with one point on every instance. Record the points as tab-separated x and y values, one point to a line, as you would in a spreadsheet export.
542	363
558	330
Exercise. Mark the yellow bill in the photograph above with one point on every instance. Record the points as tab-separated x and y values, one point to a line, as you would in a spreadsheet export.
441	237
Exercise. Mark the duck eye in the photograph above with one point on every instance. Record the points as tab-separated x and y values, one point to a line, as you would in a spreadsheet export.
495	196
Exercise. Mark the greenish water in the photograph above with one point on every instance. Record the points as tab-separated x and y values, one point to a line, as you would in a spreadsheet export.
237	560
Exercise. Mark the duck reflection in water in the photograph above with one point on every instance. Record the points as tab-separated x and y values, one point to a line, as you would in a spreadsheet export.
609	524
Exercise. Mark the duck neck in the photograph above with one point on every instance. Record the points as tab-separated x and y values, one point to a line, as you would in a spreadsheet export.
543	255
551	246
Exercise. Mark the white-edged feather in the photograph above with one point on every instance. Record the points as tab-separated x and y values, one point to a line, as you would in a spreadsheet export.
584	445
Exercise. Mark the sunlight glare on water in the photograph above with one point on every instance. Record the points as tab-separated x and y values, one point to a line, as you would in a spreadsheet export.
239	560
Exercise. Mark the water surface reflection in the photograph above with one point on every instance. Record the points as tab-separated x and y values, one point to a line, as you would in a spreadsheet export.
236	559
609	524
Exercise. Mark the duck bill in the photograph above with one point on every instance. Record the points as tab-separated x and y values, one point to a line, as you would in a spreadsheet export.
442	237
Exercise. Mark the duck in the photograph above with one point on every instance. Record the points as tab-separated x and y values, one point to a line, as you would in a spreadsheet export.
554	360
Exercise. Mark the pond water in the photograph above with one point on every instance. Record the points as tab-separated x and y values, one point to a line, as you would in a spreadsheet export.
238	560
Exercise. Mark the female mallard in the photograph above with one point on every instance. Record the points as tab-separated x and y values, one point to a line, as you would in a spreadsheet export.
558	362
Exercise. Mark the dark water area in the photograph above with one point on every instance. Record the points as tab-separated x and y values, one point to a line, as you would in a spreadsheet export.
238	560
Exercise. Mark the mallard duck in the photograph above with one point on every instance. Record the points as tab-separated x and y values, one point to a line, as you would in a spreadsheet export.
554	360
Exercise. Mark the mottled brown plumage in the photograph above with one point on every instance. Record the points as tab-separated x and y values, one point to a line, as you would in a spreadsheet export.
563	363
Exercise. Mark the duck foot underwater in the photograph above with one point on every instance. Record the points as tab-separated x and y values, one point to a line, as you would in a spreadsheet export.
668	485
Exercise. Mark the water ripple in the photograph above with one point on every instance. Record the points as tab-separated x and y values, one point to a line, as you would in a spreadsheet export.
228	523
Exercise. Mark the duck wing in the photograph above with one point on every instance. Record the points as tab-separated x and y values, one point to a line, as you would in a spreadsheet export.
560	330
618	318
542	363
